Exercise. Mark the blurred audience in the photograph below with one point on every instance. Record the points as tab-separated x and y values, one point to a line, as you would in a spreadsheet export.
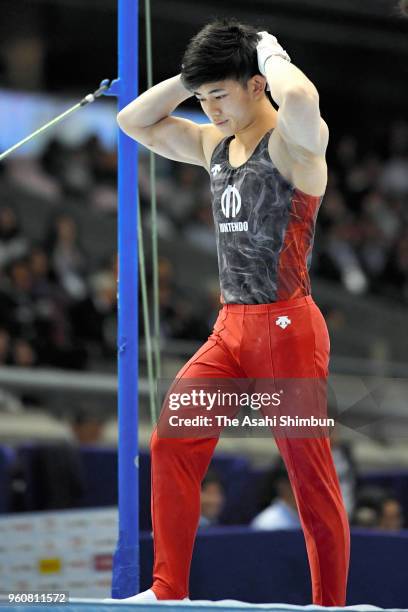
181	316
378	508
363	220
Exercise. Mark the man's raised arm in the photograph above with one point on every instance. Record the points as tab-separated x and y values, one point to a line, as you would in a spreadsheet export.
147	120
299	121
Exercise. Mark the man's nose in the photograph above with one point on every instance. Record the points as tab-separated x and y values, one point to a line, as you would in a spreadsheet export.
214	109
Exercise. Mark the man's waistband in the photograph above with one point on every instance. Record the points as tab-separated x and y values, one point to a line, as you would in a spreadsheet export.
272	307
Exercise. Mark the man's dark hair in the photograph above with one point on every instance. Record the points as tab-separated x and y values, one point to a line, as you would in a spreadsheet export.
223	49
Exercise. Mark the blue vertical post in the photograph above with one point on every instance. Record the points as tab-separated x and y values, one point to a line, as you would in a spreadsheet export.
125	578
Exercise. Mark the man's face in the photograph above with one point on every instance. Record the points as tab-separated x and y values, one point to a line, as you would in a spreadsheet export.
391	516
227	104
212	500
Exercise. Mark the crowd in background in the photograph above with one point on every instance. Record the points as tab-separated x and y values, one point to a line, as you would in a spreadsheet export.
363	237
368	505
372	507
56	477
53	310
57	308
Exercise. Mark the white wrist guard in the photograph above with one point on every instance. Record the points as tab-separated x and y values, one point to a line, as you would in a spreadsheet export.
267	47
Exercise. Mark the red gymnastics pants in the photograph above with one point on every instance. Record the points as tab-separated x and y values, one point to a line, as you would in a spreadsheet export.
246	342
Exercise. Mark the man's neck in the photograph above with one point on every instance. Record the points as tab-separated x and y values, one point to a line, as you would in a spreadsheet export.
265	119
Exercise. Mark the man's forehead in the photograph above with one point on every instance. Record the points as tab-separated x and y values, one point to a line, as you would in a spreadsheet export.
214	88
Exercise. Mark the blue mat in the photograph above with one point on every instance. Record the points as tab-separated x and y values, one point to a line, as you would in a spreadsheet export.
227	605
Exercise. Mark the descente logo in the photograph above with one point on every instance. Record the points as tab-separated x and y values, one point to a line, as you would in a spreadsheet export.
237	226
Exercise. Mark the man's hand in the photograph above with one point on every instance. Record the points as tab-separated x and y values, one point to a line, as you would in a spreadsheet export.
267	47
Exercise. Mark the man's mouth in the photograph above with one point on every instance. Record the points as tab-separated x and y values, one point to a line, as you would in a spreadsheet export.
221	122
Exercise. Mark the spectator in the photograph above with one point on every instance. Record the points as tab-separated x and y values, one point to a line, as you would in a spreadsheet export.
394	176
395	278
17	307
23	354
181	316
4	347
390	515
67	256
87	428
282	512
13	244
212	499
51	300
53	159
366	517
94	319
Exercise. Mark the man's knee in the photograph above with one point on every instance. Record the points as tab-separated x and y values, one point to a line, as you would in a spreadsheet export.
160	447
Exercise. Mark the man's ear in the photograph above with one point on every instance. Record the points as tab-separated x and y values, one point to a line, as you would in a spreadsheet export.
258	85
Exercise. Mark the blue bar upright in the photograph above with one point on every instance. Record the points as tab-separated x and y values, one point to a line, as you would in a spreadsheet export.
125	578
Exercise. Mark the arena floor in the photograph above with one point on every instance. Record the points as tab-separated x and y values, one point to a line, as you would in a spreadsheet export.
227	605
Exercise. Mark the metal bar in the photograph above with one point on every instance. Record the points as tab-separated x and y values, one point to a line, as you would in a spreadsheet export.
87	100
153	198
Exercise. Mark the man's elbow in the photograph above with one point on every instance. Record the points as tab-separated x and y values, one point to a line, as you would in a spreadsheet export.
129	126
130	117
122	119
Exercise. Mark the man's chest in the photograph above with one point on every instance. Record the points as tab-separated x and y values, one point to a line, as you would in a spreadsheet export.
251	199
